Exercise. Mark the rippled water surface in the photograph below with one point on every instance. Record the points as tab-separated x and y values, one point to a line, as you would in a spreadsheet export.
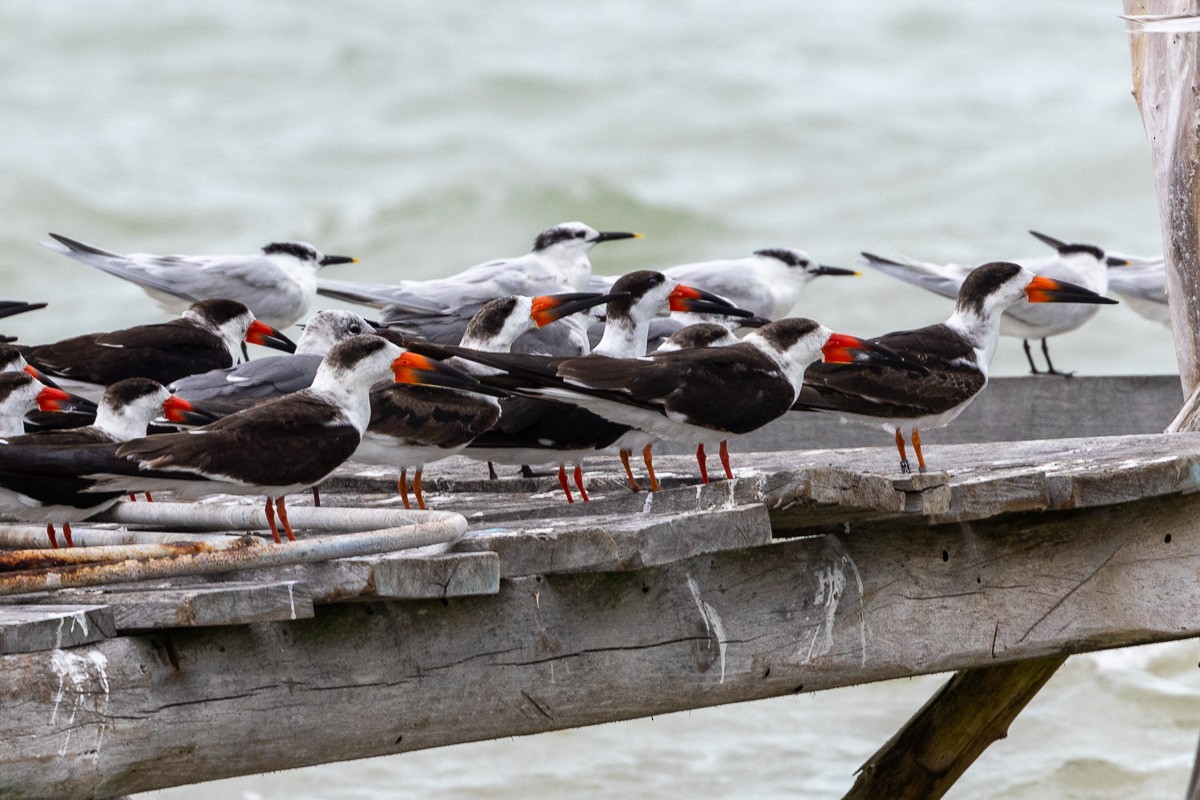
428	137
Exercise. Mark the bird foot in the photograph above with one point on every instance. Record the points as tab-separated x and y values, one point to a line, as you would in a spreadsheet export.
904	467
921	470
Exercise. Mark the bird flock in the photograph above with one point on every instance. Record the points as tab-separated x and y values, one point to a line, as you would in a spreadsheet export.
526	361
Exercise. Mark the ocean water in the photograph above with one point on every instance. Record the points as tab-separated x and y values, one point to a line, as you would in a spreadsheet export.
424	138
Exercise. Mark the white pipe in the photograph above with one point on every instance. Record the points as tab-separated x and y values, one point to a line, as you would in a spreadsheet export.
33	537
194	516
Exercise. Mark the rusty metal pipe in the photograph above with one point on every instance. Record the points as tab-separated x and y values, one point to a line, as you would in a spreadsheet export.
447	528
13	560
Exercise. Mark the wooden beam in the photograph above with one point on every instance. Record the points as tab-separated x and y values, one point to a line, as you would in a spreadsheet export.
869	602
29	628
933	749
1166	86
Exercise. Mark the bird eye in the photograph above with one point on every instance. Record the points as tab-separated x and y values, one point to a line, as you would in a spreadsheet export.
580	234
356	328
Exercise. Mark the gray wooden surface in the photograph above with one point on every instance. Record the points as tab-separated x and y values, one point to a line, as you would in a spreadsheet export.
869	602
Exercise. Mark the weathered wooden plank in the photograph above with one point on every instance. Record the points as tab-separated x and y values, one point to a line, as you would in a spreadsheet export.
29	628
440	576
933	749
235	603
869	602
615	543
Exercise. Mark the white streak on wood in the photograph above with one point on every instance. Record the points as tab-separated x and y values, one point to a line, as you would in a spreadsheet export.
831	584
712	621
78	669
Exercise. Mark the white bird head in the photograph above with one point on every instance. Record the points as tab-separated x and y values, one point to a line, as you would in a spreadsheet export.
326	328
129	405
304	253
800	266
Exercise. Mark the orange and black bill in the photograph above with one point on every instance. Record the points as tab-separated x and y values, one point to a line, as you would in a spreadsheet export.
178	410
550	307
262	333
1048	290
424	371
842	348
51	398
689	298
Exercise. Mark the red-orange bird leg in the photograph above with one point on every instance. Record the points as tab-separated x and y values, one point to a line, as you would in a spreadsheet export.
633	484
562	481
417	490
282	508
579	483
648	457
50	533
904	467
916	440
402	487
725	461
702	460
271	522
67	534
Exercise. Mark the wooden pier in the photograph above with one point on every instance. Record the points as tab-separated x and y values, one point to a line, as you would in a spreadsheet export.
814	568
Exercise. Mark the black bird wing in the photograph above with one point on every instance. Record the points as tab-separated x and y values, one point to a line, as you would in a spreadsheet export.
889	392
430	416
165	352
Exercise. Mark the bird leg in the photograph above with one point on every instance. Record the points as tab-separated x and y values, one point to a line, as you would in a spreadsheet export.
133	498
725	460
633	484
562	481
904	467
579	483
316	496
67	534
702	460
402	488
271	522
527	471
417	490
50	533
648	457
149	499
1050	366
492	472
1033	370
279	504
916	441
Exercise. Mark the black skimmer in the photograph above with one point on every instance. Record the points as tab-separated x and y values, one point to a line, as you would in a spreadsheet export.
124	413
952	358
537	431
438	310
697	395
224	391
275	448
20	393
208	335
413	425
278	285
1080	264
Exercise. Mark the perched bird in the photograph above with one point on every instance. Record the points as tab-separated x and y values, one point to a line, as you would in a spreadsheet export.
278	286
124	413
438	310
767	283
695	395
277	447
1081	264
1141	281
951	358
20	393
413	425
537	431
208	335
224	391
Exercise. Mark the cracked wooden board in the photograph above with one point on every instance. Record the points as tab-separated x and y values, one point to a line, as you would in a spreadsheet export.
558	651
47	626
619	542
